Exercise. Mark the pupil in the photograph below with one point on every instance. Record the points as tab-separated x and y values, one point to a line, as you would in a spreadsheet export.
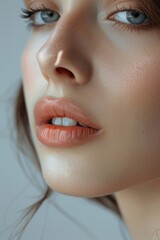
135	14
136	17
50	14
47	15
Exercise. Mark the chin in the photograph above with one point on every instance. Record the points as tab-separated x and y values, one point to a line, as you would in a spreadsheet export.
76	189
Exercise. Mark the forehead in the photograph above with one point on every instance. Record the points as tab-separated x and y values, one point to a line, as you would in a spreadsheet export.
61	1
103	3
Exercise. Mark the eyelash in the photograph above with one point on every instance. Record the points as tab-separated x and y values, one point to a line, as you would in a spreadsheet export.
27	14
132	27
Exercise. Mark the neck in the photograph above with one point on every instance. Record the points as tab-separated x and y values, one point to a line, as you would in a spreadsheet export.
140	207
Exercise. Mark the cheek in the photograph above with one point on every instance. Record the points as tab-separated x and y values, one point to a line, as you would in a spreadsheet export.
33	82
132	73
28	70
139	98
141	86
131	93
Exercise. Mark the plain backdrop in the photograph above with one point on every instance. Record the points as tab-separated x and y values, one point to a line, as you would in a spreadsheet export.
17	191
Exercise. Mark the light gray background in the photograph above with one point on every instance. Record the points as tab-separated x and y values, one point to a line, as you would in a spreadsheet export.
49	223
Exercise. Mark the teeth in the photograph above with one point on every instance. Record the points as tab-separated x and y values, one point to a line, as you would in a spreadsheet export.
64	121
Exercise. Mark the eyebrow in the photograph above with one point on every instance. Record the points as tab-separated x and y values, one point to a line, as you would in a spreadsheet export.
107	1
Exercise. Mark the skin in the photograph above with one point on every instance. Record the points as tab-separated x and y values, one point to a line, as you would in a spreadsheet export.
116	82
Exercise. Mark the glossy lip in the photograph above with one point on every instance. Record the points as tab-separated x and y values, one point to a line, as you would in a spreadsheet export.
52	135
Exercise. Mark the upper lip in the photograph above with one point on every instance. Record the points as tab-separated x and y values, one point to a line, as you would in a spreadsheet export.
49	107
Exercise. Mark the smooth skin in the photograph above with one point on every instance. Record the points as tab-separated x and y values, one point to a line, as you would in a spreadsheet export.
113	74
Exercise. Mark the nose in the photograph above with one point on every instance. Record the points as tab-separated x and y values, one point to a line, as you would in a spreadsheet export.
64	55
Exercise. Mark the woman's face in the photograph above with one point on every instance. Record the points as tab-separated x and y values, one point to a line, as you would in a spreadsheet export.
112	72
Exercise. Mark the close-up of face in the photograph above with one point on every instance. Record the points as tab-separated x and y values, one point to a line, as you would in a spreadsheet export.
100	60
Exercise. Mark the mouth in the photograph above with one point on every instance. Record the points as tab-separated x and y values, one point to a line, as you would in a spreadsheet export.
59	122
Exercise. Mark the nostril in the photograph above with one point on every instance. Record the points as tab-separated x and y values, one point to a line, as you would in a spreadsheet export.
64	71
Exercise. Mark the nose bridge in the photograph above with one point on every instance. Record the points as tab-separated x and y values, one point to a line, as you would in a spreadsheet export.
70	36
70	30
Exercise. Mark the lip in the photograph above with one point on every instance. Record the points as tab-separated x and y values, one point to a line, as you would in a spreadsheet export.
62	136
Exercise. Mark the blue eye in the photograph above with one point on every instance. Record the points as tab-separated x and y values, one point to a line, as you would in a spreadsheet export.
131	17
43	17
40	16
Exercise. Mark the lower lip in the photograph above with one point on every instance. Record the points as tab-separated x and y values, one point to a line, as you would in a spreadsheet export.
60	136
